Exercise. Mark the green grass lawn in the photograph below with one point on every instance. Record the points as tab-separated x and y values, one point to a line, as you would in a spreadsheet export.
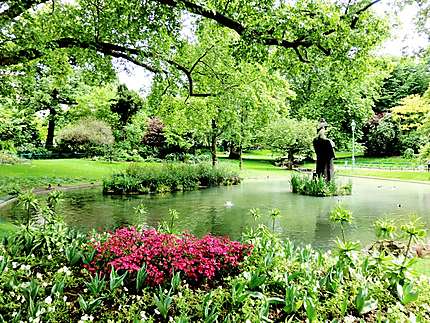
399	175
256	164
40	173
256	167
75	168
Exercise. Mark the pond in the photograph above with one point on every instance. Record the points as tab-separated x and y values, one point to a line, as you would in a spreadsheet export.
225	210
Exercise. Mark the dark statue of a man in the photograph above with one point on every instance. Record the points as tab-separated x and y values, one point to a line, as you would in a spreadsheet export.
324	148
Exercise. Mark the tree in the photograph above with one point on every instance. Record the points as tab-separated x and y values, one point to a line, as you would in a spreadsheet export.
407	78
411	112
382	136
235	98
126	104
331	28
290	137
279	35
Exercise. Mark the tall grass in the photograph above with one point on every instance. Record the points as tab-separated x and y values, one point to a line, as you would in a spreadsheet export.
168	177
305	185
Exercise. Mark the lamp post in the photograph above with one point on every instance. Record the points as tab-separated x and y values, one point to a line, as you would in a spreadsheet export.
353	124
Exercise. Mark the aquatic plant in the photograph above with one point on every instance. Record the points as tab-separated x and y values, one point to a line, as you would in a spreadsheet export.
305	185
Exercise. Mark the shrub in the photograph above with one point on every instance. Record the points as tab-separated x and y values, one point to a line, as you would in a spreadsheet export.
408	153
303	184
425	153
163	254
412	140
168	177
9	158
88	136
382	136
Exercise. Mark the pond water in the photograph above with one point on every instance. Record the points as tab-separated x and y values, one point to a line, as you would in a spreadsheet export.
225	210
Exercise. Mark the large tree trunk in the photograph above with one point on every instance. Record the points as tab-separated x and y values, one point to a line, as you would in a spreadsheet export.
213	142
240	157
49	144
290	160
233	152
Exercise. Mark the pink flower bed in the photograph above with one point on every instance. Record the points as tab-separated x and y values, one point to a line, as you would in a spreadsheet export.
197	259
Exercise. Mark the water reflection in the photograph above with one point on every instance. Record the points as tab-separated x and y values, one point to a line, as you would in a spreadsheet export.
303	218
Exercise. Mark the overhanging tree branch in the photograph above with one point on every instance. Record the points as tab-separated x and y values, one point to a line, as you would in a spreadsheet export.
258	36
128	53
18	7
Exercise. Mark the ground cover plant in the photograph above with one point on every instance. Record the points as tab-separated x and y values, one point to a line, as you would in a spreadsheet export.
305	185
168	177
50	272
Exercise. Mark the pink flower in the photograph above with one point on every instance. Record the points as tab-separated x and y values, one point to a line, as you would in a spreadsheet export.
196	259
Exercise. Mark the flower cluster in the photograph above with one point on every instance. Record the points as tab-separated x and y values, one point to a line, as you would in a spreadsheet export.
162	254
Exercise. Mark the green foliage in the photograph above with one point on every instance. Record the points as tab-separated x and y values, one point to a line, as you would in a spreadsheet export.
385	228
88	136
382	137
18	131
277	281
408	153
116	280
168	177
364	304
290	137
411	112
406	293
305	185
9	158
96	285
408	78
341	215
425	153
126	104
141	277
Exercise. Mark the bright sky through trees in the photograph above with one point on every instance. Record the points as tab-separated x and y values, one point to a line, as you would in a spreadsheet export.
405	40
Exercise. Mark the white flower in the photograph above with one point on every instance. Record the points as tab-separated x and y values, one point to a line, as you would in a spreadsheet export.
1	258
14	265
25	267
48	300
39	276
49	257
349	319
157	312
65	298
85	318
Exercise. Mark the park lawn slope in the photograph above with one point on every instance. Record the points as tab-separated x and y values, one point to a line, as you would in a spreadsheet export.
398	175
40	173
